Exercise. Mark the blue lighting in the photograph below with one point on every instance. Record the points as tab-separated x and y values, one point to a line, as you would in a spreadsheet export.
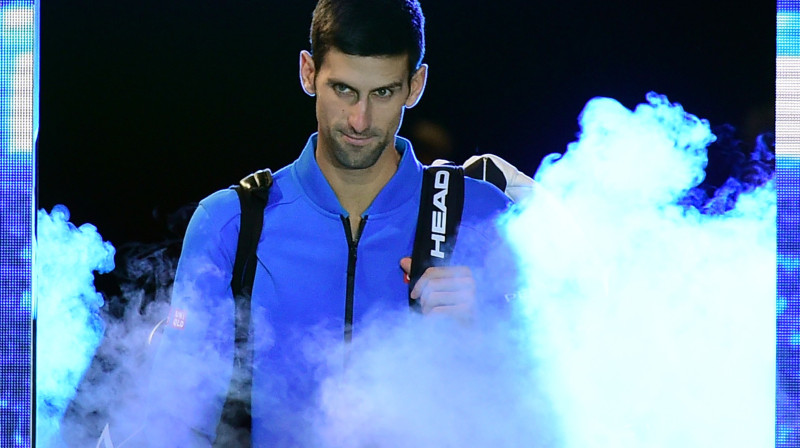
788	23
788	243
17	43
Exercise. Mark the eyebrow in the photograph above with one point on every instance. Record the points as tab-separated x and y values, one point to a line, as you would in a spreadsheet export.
395	85
392	86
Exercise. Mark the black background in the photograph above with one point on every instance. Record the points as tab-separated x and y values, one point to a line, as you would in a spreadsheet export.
150	105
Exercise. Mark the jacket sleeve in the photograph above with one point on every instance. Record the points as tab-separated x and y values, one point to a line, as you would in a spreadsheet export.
192	368
482	246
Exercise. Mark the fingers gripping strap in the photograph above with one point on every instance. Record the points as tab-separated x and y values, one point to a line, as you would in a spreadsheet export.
440	209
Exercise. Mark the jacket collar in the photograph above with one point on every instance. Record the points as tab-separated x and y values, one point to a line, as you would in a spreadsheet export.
401	189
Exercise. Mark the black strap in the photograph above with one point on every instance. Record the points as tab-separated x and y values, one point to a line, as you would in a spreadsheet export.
234	429
440	209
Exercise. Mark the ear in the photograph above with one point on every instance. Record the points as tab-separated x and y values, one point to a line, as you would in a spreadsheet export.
418	81
307	73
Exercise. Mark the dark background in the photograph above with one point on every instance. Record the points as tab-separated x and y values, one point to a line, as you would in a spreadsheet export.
149	105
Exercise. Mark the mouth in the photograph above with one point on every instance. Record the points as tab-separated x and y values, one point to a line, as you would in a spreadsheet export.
357	140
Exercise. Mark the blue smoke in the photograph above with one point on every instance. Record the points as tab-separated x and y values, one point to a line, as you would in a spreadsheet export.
652	318
70	328
94	352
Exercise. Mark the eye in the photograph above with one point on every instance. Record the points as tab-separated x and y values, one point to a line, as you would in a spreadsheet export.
341	89
383	93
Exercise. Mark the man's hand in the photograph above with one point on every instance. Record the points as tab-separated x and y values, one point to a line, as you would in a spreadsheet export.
447	290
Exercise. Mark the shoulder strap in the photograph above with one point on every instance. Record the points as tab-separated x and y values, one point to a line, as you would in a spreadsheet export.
253	193
440	208
234	429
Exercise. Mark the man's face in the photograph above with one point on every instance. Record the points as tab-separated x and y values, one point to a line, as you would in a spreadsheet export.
360	104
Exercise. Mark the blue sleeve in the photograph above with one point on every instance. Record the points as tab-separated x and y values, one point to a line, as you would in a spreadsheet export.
192	368
481	244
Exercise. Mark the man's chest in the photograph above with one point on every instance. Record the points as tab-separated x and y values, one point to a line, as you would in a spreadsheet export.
311	273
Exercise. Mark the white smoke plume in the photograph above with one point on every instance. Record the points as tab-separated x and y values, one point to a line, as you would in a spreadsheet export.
656	326
414	381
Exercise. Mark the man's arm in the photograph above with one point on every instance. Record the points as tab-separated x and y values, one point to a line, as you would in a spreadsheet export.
192	368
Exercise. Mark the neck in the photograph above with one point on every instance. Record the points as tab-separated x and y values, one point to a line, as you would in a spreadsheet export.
356	189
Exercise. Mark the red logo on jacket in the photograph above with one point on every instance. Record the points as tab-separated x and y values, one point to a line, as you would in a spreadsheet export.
177	318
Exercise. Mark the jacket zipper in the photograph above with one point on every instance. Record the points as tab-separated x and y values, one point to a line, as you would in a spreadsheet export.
352	244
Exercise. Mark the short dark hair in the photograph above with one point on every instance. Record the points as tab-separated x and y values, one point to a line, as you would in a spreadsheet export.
369	28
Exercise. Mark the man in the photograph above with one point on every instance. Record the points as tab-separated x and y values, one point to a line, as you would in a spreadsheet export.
338	231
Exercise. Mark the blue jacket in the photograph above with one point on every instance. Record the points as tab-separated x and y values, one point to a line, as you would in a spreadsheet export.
298	295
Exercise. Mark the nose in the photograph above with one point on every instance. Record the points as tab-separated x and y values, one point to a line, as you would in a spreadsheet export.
360	116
